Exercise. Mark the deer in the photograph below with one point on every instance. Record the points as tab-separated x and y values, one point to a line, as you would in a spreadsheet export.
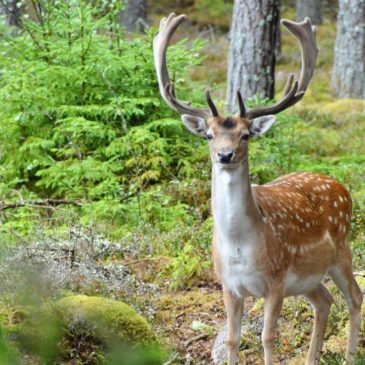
274	240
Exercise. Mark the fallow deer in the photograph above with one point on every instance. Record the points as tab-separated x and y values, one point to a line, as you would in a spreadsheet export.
275	240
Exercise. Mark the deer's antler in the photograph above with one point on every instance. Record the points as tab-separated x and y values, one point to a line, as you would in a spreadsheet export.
293	92
168	27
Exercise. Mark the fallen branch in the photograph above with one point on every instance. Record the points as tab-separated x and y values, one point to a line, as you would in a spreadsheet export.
172	359
127	263
44	203
196	338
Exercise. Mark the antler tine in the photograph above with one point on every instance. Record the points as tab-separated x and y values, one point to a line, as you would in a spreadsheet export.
306	34
168	27
241	105
288	84
213	108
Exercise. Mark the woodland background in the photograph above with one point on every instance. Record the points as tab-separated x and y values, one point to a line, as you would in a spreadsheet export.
105	196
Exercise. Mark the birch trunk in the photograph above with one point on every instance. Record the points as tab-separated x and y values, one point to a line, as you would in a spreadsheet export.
251	63
134	14
348	79
12	11
309	8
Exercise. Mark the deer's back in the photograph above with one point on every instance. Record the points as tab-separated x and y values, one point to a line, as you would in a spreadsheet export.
303	208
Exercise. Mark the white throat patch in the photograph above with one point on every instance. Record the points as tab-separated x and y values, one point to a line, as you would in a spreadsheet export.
237	238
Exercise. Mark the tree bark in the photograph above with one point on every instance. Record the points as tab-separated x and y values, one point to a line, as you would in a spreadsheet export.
12	12
330	9
252	55
309	8
348	79
133	15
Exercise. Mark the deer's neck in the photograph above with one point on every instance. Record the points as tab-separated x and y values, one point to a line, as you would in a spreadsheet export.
236	216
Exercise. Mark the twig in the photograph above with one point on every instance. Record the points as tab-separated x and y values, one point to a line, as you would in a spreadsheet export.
172	359
196	338
45	203
362	274
143	260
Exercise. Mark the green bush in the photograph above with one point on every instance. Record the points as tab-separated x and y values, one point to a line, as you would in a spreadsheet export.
81	114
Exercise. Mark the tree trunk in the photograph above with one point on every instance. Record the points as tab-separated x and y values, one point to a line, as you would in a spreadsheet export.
251	64
330	9
348	79
309	8
133	15
13	13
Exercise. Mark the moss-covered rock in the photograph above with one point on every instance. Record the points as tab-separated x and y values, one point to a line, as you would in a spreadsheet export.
38	331
106	319
83	329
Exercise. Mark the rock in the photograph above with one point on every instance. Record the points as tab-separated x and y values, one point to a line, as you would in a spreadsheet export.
37	331
85	329
219	351
108	319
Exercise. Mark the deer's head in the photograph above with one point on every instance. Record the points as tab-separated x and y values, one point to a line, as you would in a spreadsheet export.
228	136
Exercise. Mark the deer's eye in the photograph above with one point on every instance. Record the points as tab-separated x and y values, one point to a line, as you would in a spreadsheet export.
209	136
245	137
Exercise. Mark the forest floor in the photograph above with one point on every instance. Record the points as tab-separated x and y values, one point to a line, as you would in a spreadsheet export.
190	320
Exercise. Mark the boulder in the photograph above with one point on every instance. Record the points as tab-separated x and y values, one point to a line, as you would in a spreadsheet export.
86	329
107	319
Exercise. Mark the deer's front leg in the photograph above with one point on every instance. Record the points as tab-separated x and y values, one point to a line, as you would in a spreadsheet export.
234	309
273	305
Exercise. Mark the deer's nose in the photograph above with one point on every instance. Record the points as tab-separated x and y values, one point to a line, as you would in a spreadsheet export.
225	156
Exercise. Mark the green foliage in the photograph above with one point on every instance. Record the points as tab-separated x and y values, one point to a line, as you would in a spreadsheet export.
81	115
212	12
187	267
8	355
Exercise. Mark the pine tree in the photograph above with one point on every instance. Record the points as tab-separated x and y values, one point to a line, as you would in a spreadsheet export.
252	49
348	78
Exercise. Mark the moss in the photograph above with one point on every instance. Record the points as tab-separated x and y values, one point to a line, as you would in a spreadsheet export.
8	354
81	329
345	107
107	318
36	331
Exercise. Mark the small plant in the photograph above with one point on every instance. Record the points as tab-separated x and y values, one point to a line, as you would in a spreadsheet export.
187	267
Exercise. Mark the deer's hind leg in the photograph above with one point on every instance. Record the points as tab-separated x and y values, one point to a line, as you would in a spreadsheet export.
344	279
321	301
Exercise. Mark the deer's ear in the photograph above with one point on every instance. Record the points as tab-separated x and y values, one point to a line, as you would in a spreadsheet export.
261	125
196	125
